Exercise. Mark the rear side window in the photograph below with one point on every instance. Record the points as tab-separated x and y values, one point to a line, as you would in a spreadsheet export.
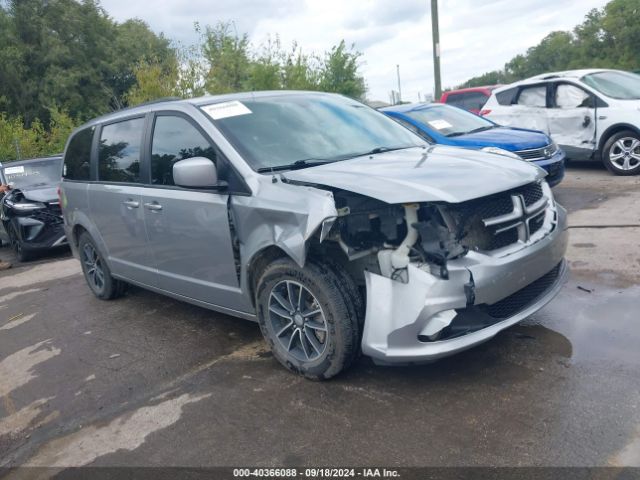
475	100
468	100
533	96
456	99
77	158
119	152
174	139
506	97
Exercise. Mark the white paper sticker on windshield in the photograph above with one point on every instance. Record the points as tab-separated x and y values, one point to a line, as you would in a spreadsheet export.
440	124
218	111
13	170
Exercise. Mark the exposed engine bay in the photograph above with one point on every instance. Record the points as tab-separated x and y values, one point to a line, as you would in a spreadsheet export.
434	233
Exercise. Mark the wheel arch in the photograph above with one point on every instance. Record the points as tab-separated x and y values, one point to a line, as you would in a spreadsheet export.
80	223
612	130
258	263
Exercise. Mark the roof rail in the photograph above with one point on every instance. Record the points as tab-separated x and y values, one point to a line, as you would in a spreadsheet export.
157	100
131	107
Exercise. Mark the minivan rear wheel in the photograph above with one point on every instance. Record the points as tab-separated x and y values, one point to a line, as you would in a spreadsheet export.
96	271
307	317
621	153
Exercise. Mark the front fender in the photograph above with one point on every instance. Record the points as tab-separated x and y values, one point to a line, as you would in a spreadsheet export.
280	215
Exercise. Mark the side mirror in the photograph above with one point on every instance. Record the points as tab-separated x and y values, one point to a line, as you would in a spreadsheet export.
196	172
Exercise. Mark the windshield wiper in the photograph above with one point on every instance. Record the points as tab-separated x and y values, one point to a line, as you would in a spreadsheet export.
377	150
475	130
309	162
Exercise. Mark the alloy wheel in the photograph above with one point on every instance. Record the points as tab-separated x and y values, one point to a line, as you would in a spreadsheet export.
297	320
625	153
93	267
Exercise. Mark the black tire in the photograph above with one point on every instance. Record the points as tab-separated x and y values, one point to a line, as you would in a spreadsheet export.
327	289
617	153
22	252
107	289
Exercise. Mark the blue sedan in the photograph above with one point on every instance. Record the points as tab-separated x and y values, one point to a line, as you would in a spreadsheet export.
447	125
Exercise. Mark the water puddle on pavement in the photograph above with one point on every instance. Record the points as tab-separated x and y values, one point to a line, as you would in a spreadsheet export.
601	324
125	432
20	420
17	369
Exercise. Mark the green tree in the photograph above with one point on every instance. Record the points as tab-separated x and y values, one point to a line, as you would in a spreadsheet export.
227	55
70	54
339	72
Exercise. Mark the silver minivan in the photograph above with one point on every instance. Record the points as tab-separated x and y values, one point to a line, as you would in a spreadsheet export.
334	227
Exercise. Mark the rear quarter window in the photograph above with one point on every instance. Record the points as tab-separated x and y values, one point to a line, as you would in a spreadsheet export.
77	158
506	97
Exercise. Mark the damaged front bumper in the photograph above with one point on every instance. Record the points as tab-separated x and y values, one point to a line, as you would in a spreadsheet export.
429	317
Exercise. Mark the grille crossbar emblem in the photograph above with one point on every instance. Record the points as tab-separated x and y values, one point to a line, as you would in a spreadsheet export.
518	218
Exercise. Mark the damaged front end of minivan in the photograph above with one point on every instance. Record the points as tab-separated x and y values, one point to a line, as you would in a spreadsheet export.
437	277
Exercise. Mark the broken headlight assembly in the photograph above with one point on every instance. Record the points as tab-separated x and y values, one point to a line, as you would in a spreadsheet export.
25	206
394	235
501	151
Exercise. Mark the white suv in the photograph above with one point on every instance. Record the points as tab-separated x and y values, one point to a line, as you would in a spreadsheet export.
592	114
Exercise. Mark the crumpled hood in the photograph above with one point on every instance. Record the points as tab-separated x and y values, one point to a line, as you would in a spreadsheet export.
41	194
437	173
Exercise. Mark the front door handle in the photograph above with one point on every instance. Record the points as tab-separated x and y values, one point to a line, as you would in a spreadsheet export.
153	206
131	204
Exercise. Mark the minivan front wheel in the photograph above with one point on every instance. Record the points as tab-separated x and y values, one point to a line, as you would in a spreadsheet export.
96	271
621	153
308	318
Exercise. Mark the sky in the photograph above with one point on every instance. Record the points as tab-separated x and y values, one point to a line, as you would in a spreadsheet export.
476	36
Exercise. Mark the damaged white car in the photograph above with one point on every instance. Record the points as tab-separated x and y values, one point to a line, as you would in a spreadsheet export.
335	228
591	114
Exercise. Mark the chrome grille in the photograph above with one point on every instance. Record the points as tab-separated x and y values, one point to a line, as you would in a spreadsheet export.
500	220
543	153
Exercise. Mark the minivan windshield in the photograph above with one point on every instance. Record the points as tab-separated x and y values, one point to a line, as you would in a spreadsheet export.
301	130
615	84
449	121
41	173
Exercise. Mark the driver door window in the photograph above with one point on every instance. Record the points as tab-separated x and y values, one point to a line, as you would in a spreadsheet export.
175	139
570	96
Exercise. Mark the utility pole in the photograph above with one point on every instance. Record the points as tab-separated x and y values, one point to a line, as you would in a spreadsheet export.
436	49
399	89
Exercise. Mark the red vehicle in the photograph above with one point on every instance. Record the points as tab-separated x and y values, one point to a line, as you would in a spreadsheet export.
472	99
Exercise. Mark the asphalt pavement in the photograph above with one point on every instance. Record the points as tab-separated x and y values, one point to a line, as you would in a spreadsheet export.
146	380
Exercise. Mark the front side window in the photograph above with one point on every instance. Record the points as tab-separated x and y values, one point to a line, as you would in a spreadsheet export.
175	139
77	158
280	130
533	96
450	121
619	85
570	96
119	151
